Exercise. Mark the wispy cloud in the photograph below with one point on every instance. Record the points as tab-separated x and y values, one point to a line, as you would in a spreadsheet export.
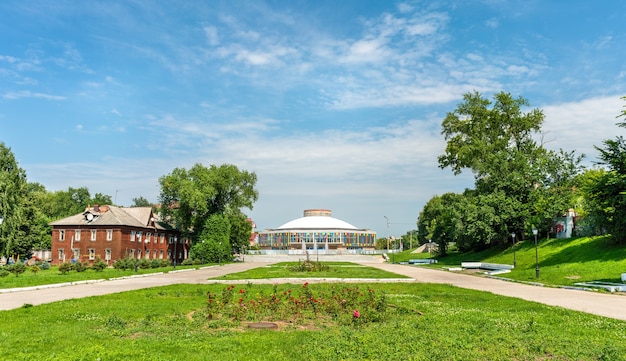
29	94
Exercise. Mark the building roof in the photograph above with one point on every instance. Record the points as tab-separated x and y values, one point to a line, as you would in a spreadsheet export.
317	222
113	216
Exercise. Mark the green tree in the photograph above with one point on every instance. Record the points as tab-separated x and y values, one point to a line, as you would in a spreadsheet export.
101	199
141	202
70	202
606	191
213	244
189	197
12	192
517	181
240	230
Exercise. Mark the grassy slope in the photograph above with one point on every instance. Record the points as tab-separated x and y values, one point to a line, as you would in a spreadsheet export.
561	261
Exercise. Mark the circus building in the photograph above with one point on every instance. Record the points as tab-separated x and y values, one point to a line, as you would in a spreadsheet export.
317	230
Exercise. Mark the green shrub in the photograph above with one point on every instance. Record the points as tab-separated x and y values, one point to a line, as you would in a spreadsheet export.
17	268
34	269
4	273
124	264
187	262
45	265
155	263
65	267
99	265
165	262
196	262
79	267
144	263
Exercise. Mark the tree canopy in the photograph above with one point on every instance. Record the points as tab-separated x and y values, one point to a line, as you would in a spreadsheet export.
189	197
518	183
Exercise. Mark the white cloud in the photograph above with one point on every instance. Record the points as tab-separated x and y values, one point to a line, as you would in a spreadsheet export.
212	36
29	94
582	124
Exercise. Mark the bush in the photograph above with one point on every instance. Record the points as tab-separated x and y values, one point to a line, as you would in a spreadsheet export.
144	263
99	265
4	273
165	262
155	263
79	266
17	268
65	267
45	265
34	269
187	262
124	264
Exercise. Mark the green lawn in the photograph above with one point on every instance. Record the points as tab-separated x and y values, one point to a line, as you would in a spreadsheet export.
336	270
52	275
423	322
561	261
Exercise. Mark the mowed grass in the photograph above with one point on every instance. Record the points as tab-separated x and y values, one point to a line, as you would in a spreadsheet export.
335	270
52	275
561	261
424	322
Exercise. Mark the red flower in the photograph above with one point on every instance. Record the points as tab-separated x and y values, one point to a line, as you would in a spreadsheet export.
305	284
356	314
242	291
240	300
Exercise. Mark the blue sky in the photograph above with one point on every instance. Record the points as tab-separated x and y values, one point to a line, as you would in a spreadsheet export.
334	104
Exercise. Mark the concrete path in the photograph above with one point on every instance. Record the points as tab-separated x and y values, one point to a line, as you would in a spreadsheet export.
602	304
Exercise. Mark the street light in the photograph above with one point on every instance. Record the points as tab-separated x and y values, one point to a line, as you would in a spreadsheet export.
387	233
514	261
536	254
202	251
219	254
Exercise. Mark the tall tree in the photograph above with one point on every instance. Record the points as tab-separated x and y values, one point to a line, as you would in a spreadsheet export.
189	197
606	191
70	202
496	141
141	202
12	193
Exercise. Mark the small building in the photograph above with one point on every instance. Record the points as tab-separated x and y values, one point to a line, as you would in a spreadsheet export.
110	233
317	230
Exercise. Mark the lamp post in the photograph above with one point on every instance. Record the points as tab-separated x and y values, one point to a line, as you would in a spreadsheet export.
387	233
219	254
536	254
514	260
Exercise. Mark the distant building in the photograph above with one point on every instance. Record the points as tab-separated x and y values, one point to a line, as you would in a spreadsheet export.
110	233
317	230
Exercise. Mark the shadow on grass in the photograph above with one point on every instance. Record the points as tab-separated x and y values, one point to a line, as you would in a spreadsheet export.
598	249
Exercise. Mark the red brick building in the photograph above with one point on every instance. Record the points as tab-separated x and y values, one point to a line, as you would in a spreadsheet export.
110	233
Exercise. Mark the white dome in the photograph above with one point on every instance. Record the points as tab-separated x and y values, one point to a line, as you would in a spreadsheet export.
317	222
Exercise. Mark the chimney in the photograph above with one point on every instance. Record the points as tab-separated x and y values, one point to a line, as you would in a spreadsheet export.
96	208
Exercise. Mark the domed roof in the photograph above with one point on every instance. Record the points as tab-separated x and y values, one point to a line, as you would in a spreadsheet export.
317	222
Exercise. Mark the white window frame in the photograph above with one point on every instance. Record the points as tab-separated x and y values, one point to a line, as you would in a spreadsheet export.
92	254
132	236
109	234
94	234
77	235
61	254
107	254
148	237
61	235
76	254
162	237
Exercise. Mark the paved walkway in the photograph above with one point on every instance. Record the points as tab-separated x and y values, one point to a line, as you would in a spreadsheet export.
602	304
